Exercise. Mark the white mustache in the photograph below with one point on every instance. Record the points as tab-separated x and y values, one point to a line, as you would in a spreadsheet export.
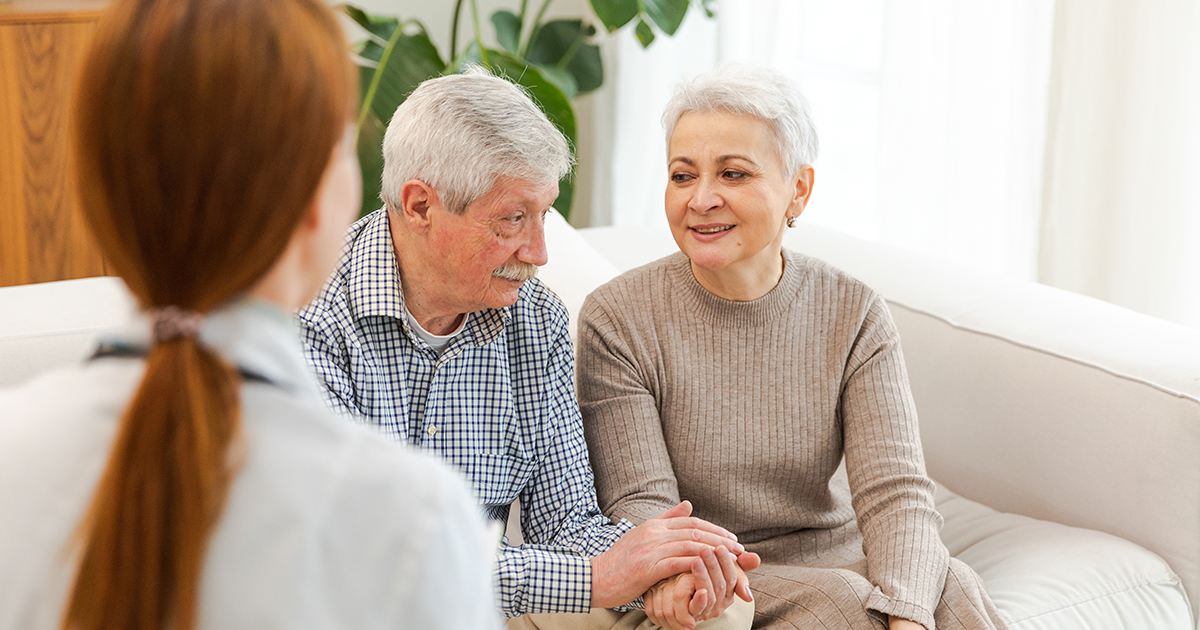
519	272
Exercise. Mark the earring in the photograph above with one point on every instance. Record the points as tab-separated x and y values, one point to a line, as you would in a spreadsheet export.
791	222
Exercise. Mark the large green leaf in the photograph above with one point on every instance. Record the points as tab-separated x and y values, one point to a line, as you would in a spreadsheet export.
377	25
564	44
508	29
370	160
370	49
406	62
388	74
561	78
615	13
548	96
667	14
587	68
557	38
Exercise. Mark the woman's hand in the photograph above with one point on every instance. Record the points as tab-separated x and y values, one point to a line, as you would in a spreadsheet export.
734	583
896	623
681	601
674	603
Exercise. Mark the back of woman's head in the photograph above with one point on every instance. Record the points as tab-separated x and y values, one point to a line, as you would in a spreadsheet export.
202	130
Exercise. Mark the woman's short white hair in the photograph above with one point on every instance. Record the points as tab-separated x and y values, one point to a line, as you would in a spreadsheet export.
751	91
461	133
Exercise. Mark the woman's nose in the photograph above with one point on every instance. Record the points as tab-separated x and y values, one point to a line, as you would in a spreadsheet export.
704	197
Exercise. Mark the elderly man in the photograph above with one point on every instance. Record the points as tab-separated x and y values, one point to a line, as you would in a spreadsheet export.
434	330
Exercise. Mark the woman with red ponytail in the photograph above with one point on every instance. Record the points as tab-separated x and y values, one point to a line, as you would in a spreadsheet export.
188	475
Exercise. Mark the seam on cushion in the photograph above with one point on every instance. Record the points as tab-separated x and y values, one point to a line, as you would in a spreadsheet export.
60	333
1057	355
1127	589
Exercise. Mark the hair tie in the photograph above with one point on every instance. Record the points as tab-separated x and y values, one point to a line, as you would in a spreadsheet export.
172	322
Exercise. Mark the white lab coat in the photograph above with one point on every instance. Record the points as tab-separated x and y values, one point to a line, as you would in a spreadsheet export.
327	525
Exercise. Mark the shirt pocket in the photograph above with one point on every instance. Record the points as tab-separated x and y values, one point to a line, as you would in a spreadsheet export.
495	479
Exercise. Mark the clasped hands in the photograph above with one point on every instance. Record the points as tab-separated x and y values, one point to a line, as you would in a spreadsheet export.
688	569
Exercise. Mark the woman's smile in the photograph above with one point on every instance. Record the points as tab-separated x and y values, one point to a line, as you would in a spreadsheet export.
708	232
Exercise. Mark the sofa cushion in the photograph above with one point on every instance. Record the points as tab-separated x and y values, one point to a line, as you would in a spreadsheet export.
46	325
1047	576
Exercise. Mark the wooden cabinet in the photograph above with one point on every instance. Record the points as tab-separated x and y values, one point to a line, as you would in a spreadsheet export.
42	238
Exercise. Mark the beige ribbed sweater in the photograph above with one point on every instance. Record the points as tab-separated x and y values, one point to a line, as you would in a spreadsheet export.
747	408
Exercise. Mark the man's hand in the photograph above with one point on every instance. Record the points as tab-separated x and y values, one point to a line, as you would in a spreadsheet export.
657	549
896	623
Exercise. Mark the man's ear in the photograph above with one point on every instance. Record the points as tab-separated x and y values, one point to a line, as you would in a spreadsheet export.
416	200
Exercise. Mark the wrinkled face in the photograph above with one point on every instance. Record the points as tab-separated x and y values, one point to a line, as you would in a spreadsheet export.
727	196
493	247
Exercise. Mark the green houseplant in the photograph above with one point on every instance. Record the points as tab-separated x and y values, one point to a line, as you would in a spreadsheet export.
555	60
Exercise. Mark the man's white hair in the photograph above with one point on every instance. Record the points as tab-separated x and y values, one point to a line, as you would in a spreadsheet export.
751	91
461	133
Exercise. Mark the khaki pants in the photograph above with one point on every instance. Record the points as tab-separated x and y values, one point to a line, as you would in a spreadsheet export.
738	616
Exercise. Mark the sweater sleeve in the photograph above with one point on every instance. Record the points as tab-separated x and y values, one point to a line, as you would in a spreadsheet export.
892	495
634	476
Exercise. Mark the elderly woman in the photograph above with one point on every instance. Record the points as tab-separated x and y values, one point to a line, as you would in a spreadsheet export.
738	375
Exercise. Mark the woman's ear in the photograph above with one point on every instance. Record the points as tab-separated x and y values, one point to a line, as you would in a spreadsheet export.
804	186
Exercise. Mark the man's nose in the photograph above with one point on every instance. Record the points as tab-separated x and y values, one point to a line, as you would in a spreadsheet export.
534	249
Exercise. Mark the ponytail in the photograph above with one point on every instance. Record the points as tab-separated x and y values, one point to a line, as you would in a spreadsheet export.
201	131
159	496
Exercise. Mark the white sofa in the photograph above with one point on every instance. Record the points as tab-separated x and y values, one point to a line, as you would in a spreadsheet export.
1066	431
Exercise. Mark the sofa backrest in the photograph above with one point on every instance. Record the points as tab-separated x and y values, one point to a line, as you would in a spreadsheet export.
46	325
1032	400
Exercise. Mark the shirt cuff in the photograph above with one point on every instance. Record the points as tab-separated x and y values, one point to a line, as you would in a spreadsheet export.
637	604
539	579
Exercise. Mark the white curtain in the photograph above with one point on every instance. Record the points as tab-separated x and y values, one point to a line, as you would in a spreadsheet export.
1122	201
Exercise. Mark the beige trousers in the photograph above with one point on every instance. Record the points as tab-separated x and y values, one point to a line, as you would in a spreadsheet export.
738	616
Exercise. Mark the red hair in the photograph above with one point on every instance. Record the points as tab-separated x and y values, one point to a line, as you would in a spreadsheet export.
202	130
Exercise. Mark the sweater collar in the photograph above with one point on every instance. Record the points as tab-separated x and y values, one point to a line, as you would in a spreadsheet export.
718	310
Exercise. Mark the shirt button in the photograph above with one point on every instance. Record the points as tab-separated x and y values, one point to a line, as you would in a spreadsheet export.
432	430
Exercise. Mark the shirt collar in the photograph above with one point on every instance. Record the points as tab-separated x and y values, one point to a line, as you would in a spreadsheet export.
373	280
373	284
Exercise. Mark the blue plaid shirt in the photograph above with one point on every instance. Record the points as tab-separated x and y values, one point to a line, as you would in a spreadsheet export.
498	404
